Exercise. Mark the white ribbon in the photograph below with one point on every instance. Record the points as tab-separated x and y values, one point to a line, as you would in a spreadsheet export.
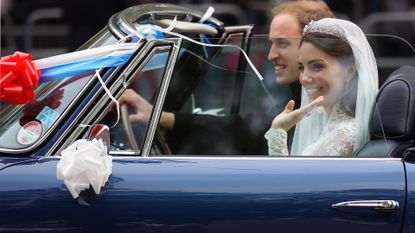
168	31
108	92
83	164
209	12
149	29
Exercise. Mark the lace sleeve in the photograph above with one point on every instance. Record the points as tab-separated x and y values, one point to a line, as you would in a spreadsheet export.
277	141
342	142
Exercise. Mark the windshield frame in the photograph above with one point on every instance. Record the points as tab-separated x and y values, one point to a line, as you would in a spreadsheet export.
65	134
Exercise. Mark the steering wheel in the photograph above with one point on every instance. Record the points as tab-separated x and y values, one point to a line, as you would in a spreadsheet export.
127	128
130	134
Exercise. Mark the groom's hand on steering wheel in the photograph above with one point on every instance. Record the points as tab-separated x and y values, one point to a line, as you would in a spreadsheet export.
142	108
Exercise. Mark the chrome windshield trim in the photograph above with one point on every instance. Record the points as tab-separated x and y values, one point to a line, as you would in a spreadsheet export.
74	131
168	71
126	18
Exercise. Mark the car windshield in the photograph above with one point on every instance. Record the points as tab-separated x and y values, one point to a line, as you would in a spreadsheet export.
51	101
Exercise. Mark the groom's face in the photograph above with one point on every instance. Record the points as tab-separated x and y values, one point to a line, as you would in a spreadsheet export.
285	35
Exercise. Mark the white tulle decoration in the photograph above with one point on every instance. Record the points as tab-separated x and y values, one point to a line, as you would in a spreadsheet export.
83	164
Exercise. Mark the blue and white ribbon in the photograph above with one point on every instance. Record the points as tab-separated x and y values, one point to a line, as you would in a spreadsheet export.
69	64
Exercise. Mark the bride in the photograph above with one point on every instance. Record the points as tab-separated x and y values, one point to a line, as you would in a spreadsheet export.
338	73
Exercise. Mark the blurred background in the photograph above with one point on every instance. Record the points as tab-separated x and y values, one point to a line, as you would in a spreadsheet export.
49	27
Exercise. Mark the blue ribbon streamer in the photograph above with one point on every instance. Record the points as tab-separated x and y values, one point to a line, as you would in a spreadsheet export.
71	69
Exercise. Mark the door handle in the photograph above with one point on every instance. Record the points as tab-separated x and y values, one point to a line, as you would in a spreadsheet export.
378	205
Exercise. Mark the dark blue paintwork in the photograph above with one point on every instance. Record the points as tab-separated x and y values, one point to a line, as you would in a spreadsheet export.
409	221
208	195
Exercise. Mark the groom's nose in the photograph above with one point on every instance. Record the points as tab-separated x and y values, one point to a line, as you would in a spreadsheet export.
273	53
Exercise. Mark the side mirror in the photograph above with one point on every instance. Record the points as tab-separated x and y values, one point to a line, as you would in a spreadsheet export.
100	131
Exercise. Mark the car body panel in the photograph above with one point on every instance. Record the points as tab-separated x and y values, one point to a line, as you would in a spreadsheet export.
409	223
208	195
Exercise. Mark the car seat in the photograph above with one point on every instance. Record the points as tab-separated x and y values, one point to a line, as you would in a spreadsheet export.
392	122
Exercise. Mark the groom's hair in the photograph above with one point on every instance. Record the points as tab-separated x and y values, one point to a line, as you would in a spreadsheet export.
304	11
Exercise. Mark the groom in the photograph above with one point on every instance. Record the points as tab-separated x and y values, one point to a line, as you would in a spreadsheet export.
202	134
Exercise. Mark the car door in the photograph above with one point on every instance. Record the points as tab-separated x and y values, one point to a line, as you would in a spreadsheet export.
247	195
209	195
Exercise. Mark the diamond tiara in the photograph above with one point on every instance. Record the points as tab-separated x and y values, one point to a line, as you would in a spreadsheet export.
316	27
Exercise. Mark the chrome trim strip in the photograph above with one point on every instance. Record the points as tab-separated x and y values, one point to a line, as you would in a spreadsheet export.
233	31
259	158
142	57
161	96
130	15
74	127
124	153
114	28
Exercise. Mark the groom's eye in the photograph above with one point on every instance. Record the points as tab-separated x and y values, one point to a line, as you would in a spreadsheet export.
283	43
301	68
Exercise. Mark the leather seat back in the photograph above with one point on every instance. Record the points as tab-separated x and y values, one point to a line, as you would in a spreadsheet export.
392	124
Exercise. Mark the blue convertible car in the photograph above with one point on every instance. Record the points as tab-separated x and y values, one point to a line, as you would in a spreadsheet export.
214	176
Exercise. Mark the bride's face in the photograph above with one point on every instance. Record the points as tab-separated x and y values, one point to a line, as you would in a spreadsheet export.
321	74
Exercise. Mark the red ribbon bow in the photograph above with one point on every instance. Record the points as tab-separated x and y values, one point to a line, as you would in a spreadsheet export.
18	78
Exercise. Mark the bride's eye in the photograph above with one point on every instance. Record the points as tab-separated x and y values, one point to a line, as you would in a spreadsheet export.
317	66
